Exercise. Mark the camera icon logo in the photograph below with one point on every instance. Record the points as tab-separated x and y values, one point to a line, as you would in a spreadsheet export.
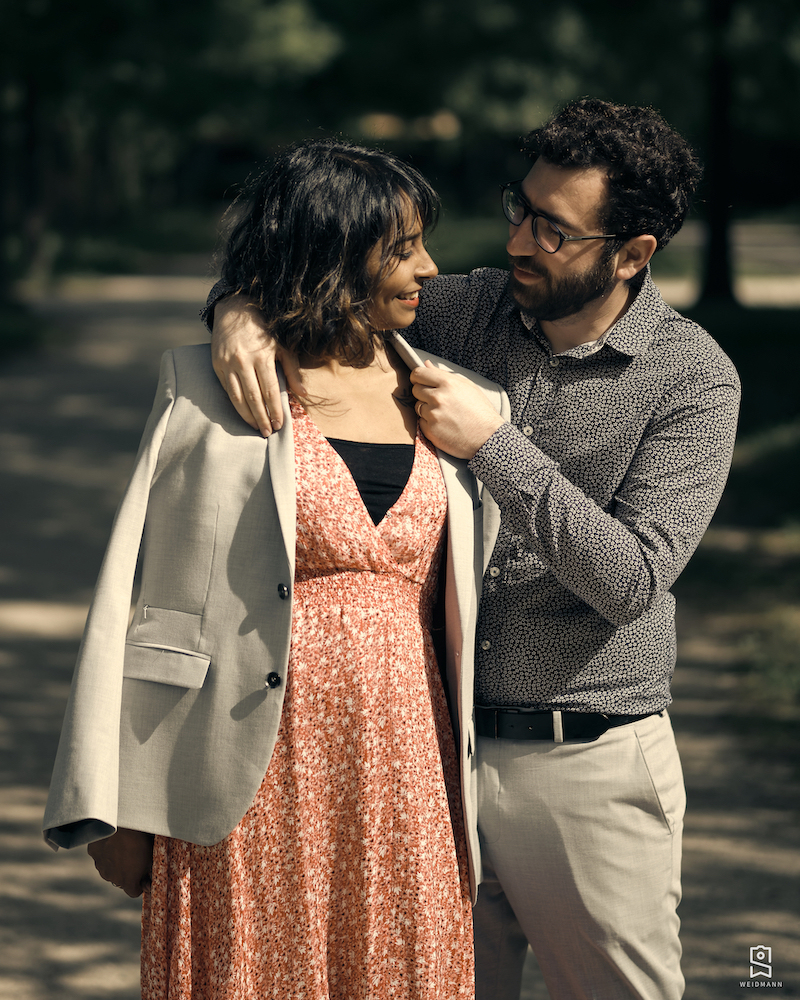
761	961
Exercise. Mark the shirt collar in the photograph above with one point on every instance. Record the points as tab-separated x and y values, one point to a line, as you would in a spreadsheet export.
632	334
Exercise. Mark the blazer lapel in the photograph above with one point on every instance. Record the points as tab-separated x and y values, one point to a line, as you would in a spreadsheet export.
280	459
461	499
461	502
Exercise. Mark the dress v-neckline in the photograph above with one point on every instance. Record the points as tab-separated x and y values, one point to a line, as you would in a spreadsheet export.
337	458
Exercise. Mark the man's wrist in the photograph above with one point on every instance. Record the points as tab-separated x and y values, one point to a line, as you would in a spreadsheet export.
487	433
509	460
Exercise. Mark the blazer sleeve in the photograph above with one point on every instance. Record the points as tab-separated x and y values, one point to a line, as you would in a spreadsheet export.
82	802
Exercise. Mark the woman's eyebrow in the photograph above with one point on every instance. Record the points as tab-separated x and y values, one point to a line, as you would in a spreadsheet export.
408	238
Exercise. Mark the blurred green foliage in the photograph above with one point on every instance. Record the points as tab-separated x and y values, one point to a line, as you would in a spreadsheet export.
772	657
122	110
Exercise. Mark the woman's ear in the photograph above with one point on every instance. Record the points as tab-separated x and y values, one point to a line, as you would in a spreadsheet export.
634	255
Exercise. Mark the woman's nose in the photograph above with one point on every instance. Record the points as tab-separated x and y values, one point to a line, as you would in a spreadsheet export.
426	267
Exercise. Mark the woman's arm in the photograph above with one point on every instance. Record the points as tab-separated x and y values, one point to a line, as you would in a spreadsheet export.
82	805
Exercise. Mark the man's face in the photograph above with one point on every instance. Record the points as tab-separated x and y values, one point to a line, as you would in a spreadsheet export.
554	286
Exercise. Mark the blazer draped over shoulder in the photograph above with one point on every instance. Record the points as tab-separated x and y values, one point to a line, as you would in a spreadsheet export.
171	720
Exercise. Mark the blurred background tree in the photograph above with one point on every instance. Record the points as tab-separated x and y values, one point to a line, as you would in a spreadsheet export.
127	124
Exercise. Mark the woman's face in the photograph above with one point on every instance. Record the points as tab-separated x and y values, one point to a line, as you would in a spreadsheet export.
395	298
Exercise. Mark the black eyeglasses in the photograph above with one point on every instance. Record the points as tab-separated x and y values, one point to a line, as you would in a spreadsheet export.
546	233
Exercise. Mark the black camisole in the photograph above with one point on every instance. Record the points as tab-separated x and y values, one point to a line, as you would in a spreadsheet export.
380	471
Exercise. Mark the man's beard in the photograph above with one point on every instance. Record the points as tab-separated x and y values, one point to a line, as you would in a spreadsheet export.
555	298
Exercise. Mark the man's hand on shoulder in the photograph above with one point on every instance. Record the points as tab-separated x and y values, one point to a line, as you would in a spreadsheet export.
454	413
243	356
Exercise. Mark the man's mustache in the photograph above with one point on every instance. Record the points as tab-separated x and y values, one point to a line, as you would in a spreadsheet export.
527	264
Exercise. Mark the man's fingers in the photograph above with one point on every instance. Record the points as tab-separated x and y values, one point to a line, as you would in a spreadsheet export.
269	402
253	400
429	375
231	383
242	354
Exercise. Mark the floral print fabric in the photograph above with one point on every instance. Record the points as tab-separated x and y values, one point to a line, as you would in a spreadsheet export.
347	878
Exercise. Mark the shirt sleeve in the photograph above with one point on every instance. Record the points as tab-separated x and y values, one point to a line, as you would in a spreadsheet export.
623	560
219	291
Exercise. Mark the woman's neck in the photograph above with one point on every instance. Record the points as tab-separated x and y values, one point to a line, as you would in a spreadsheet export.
372	404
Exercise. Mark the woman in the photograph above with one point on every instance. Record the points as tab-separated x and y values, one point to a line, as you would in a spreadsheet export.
280	749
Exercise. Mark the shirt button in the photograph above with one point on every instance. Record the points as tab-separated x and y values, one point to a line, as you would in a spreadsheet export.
494	571
527	431
283	591
273	680
486	644
554	362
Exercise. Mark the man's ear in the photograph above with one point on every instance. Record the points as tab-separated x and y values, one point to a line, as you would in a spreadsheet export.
635	255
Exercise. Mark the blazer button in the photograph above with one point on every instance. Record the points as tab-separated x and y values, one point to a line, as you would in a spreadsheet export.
273	680
283	591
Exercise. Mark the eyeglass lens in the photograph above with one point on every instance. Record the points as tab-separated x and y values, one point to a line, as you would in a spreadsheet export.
544	232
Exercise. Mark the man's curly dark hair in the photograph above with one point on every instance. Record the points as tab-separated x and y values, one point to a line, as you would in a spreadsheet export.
652	170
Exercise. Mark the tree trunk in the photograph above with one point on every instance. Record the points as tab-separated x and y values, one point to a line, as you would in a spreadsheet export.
717	280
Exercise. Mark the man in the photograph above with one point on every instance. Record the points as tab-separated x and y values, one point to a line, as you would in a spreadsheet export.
622	431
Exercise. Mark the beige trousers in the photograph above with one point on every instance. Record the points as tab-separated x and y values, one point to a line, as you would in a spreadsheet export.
581	849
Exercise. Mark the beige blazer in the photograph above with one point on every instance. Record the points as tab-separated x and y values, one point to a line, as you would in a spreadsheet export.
171	722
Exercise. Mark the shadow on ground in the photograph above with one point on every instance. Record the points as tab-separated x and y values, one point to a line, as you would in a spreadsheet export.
70	421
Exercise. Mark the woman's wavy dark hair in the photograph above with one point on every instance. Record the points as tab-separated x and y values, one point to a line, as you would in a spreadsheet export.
302	237
652	170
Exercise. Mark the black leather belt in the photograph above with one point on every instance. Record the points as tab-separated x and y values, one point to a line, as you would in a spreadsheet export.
536	724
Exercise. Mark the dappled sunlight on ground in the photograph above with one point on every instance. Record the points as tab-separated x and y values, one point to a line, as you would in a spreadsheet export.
65	933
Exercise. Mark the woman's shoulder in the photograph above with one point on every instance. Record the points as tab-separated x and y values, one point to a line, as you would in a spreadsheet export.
415	357
189	368
191	358
188	377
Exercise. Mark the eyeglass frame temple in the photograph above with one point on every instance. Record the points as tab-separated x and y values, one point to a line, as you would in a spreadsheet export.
528	210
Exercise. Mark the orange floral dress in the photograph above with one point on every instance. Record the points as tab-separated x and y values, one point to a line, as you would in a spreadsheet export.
347	877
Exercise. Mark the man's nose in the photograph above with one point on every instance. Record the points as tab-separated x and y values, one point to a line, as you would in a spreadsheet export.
520	239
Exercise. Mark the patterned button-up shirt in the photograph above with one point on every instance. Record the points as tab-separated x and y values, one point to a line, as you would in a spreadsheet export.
606	477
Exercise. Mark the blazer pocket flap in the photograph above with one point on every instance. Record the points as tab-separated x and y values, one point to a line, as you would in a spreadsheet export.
153	626
163	665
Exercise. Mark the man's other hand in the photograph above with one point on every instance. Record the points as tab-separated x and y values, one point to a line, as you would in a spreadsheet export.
454	414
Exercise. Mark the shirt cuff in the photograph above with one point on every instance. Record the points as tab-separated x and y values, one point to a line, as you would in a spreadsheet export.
508	462
219	291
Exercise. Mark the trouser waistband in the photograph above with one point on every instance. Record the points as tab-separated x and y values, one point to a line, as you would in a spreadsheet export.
538	724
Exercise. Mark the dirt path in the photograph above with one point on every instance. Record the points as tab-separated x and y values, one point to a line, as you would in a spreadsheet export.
70	423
